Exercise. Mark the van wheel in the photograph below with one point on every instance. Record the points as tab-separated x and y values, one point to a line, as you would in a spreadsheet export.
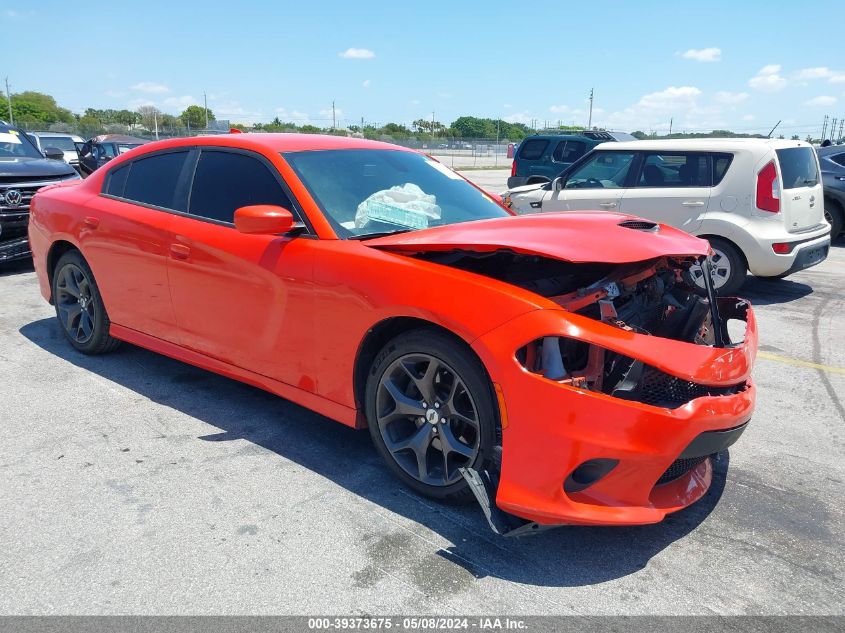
833	215
727	266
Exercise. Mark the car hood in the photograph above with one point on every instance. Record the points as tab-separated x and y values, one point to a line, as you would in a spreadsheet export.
34	168
577	237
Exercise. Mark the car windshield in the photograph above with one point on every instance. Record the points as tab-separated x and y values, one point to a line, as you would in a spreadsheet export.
364	192
64	143
13	144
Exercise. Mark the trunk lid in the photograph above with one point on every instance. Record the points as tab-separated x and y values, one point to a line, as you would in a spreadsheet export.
802	202
577	237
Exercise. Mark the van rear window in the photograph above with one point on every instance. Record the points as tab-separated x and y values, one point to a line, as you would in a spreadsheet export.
798	167
533	148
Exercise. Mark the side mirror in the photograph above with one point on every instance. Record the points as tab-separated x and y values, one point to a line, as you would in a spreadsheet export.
557	183
263	219
54	153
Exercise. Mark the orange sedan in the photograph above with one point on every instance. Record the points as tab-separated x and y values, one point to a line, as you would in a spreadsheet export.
559	368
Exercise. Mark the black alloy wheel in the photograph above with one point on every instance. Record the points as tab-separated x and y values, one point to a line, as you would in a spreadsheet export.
431	412
79	306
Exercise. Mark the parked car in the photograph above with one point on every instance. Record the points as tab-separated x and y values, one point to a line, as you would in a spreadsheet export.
758	201
23	170
64	142
377	287
832	162
542	157
97	151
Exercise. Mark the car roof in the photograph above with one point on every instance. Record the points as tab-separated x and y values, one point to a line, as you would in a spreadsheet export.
831	149
702	144
40	134
593	135
276	142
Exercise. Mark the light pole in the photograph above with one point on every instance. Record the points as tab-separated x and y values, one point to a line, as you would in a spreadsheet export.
205	106
9	101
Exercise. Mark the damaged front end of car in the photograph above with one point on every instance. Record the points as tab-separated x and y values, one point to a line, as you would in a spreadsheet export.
616	394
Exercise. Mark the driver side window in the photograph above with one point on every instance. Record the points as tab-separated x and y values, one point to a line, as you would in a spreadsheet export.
605	170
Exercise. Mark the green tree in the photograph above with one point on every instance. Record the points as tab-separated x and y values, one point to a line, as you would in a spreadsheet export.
194	117
89	126
39	109
149	116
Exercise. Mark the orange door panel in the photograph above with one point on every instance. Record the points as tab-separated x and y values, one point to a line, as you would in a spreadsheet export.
243	299
127	245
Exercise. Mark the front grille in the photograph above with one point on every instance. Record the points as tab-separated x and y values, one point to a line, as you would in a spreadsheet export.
679	468
662	390
27	189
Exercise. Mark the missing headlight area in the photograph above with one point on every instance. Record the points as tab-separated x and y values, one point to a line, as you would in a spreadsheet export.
585	366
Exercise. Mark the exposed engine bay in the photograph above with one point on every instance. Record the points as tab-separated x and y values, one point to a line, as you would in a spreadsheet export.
655	298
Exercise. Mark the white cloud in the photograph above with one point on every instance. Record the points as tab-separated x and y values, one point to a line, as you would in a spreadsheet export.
748	117
294	116
507	106
704	54
730	98
767	79
837	78
178	104
357	53
366	83
559	109
821	101
670	99
326	113
819	72
150	87
520	117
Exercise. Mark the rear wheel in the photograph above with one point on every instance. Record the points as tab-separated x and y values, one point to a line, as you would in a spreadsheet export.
79	306
430	411
727	268
834	216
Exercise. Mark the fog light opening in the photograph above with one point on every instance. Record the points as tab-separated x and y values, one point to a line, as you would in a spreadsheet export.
588	473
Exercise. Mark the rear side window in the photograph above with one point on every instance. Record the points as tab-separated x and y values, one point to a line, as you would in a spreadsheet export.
153	180
117	181
569	151
721	162
839	159
798	167
225	181
675	169
533	148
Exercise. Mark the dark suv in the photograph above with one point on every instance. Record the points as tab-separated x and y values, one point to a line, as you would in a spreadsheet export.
832	162
541	157
23	170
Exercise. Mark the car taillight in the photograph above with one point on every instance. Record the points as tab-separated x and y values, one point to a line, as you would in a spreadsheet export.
768	188
513	168
782	248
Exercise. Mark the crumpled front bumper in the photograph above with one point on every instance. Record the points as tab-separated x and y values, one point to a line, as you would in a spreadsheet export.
553	428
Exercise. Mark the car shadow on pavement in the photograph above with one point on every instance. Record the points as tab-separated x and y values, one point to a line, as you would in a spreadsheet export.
761	291
16	267
567	556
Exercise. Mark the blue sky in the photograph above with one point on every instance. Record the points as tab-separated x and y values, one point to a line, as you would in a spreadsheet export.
738	65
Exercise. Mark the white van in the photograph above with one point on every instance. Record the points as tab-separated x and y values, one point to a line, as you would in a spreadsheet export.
758	201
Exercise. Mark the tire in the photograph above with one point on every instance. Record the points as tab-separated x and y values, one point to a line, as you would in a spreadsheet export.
833	214
412	370
79	306
728	266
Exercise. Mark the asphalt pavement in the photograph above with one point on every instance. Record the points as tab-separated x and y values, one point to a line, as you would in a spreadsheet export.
134	484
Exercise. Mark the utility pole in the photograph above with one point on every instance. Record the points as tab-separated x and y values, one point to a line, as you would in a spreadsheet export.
671	120
432	122
205	106
9	101
833	129
769	135
824	127
155	119
841	123
362	127
590	120
334	120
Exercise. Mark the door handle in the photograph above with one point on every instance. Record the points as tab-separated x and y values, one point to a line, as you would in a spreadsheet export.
91	222
607	205
179	251
692	203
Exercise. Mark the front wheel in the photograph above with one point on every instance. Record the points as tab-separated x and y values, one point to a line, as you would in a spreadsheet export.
79	306
431	412
727	268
